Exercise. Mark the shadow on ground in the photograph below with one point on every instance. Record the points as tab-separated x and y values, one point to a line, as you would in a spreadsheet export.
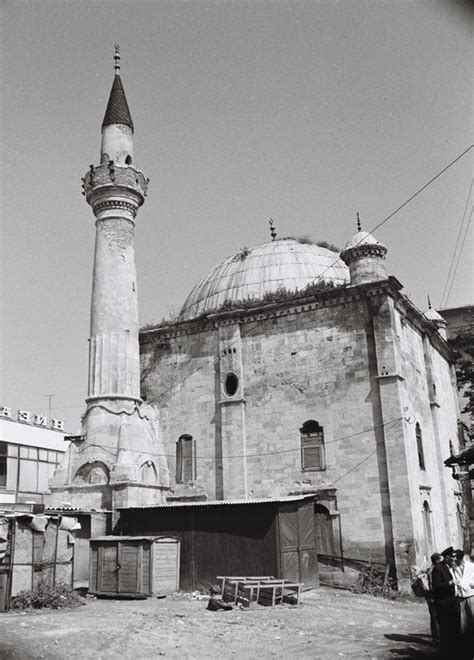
419	646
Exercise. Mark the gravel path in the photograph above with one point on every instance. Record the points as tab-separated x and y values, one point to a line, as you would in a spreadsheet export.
328	624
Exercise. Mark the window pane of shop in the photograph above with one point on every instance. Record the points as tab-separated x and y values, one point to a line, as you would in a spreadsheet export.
12	473
28	476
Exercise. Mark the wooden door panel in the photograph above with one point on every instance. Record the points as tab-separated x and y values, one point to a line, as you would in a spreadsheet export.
288	528
130	556
108	568
289	566
306	526
309	568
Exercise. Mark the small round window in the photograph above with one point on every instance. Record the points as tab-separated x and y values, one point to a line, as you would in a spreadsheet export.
231	384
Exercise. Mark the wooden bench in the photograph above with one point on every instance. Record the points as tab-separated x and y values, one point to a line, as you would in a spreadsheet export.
258	585
247	582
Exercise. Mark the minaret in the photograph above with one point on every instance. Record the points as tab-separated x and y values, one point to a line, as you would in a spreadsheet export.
118	459
115	189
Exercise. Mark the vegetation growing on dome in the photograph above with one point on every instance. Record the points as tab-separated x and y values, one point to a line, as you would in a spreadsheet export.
242	254
306	240
282	294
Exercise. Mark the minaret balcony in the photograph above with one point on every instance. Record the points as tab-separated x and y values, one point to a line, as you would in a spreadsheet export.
112	175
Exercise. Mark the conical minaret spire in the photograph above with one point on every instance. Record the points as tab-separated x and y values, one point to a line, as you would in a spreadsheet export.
117	126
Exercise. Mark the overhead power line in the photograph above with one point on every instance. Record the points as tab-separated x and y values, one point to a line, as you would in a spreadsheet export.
443	301
459	257
114	450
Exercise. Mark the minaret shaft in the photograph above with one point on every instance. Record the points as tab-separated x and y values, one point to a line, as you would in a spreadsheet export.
114	350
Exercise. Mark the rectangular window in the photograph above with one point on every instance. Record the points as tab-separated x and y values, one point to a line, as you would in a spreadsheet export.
419	446
43	454
23	452
43	477
28	481
3	464
312	452
185	460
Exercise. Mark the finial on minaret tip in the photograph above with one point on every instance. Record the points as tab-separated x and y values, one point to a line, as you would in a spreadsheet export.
273	232
359	228
429	302
117	59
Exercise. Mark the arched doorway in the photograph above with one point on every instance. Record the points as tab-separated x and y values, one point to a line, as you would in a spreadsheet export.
324	532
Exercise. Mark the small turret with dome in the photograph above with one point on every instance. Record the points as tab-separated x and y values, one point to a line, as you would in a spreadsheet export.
365	256
437	320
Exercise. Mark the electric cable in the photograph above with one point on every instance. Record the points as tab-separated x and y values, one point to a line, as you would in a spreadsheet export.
114	450
457	243
459	258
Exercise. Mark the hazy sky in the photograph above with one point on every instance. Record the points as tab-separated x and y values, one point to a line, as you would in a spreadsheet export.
303	111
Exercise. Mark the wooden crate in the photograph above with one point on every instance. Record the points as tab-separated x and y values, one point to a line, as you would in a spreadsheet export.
133	566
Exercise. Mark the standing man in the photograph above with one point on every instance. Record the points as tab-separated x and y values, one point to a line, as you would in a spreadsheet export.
436	558
447	605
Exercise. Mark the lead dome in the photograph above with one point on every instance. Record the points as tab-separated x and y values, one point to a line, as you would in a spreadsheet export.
253	272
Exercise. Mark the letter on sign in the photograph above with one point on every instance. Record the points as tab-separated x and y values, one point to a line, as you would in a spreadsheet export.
57	424
5	412
23	416
41	420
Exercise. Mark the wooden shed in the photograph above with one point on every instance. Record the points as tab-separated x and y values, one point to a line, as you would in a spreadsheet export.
134	566
246	537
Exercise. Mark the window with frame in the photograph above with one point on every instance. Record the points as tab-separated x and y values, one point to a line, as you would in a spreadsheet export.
313	456
185	459
419	447
3	464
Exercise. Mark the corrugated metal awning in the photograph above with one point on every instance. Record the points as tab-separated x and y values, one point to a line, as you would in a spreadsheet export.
151	539
263	500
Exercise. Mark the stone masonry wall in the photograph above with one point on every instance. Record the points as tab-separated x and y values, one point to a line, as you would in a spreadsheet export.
320	362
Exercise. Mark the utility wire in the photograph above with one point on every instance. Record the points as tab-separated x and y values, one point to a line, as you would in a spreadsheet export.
457	243
114	450
354	468
459	257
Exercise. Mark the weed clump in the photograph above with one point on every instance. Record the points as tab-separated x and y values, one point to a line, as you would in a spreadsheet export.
43	595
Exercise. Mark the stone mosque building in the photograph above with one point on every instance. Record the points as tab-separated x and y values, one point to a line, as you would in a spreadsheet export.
292	370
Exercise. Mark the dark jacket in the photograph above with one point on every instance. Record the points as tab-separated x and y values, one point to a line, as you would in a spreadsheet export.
440	579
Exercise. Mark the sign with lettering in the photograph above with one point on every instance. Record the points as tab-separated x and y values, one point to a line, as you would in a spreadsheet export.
33	419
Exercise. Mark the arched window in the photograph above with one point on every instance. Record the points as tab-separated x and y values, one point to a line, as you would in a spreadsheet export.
93	473
148	473
312	446
419	446
427	528
185	459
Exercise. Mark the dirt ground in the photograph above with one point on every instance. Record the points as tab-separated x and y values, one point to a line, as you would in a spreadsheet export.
328	624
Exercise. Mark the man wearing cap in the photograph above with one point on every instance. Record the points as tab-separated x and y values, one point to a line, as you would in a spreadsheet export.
436	558
447	605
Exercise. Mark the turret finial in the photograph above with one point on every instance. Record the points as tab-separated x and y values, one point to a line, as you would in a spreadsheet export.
273	232
429	302
117	59
359	228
